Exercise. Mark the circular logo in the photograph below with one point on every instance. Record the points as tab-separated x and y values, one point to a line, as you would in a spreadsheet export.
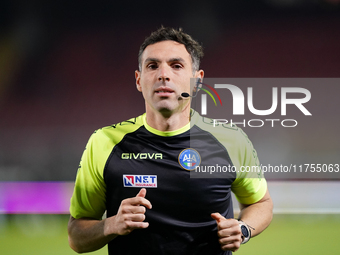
189	159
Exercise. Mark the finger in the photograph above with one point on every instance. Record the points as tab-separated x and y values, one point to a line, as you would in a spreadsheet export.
137	201
218	217
141	193
230	247
230	239
137	225
229	232
145	202
140	201
138	210
133	209
231	243
134	217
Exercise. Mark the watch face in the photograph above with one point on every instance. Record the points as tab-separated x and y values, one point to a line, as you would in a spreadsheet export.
245	231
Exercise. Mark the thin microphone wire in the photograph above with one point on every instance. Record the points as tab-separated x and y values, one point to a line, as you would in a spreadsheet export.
186	94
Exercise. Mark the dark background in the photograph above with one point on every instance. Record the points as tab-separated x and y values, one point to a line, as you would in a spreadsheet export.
67	67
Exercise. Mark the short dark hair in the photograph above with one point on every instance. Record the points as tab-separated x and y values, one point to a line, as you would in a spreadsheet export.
167	33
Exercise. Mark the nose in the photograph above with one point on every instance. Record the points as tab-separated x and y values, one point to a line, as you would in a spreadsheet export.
163	75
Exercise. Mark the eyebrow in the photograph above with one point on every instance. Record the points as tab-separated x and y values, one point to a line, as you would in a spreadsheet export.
148	60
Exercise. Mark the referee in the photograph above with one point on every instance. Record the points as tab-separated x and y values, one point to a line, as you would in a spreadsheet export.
138	171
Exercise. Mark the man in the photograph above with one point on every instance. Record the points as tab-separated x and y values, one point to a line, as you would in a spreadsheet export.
133	170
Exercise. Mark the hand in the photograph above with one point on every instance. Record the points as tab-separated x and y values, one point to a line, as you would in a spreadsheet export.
228	231
130	215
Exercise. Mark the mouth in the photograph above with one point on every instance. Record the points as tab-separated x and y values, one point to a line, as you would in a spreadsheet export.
164	91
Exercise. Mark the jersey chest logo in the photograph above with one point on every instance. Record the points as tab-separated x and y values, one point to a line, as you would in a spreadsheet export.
127	155
189	159
149	181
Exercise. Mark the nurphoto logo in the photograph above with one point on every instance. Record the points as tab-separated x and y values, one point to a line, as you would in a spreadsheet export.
281	97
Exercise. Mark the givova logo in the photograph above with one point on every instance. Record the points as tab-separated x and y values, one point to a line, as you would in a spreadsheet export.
138	181
189	159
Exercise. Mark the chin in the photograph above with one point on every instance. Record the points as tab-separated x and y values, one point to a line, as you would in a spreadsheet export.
165	106
168	108
165	110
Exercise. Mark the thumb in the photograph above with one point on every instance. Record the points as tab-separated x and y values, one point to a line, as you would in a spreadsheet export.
218	217
141	193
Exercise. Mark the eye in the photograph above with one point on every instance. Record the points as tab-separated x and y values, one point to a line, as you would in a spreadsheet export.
152	66
177	66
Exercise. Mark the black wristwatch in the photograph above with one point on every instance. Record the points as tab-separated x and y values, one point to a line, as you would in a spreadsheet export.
245	231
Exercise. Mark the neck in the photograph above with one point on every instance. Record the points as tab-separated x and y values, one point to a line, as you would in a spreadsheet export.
166	121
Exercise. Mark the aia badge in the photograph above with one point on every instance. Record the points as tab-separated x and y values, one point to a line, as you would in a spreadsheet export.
138	181
189	159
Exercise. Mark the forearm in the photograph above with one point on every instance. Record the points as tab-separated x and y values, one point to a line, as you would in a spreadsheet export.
86	235
259	215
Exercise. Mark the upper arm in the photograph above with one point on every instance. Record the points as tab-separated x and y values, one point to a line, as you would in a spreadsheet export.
265	199
89	195
250	186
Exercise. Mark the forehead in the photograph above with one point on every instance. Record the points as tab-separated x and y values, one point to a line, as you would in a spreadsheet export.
166	50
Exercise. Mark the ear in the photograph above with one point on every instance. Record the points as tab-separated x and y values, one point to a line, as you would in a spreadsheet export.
199	76
137	76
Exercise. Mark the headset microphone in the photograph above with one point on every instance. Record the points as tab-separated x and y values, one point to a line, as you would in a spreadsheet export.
185	94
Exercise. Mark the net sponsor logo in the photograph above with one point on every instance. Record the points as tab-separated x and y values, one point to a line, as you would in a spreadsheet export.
138	181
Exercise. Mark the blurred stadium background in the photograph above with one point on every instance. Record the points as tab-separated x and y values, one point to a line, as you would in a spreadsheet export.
67	68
